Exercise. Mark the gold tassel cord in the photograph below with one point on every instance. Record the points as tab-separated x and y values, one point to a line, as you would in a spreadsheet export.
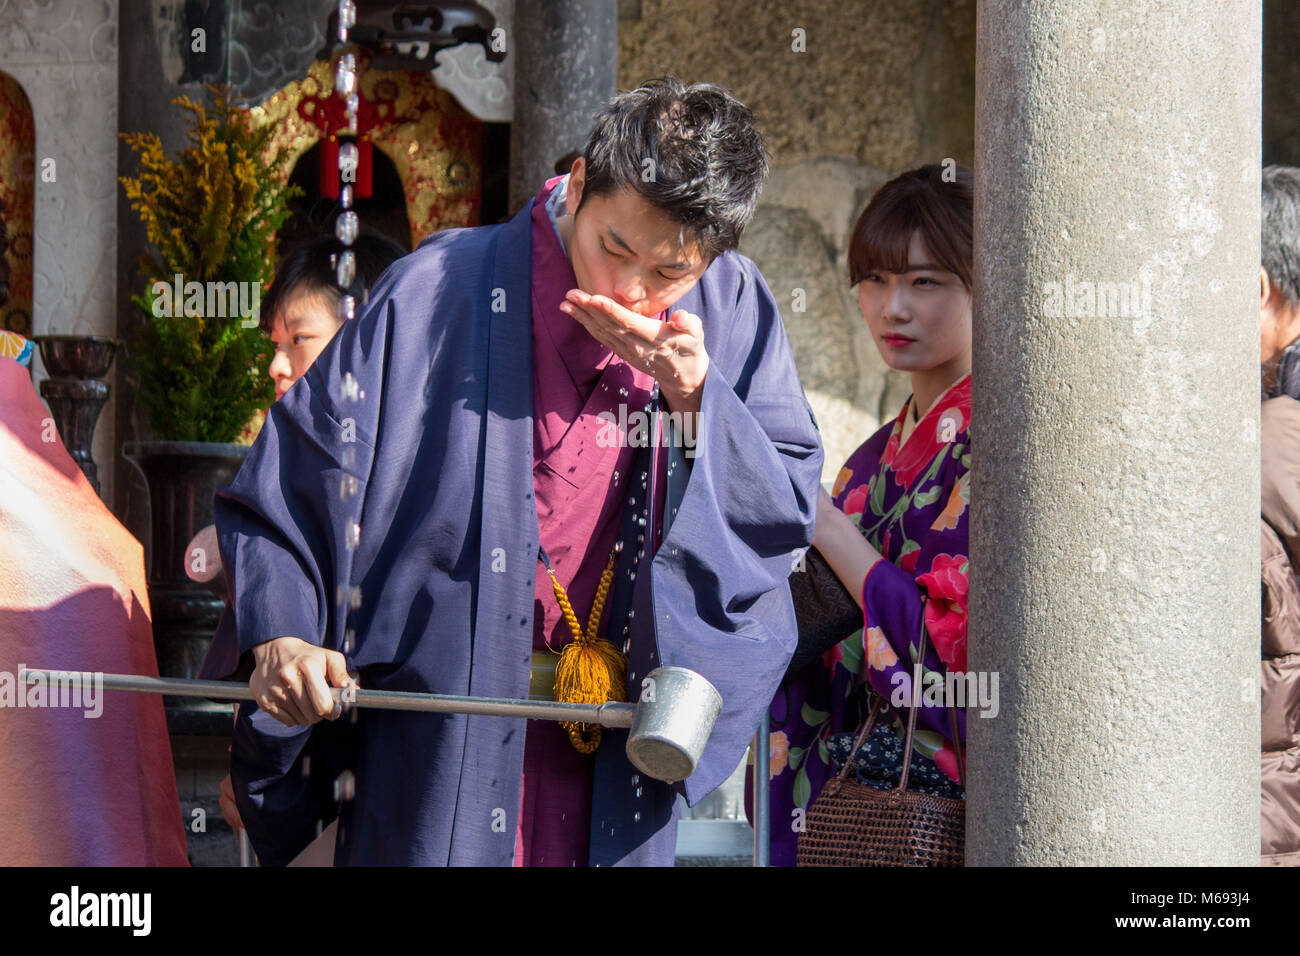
590	670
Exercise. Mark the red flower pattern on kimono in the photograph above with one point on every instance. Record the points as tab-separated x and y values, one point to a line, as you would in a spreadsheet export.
856	501
945	613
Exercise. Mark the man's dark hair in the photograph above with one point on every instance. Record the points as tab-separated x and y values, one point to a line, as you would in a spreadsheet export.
692	151
1279	247
311	268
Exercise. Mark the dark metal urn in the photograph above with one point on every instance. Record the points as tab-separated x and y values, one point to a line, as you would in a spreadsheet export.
183	479
75	363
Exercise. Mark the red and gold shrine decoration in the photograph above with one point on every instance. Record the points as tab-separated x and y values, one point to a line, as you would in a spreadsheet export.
18	193
436	145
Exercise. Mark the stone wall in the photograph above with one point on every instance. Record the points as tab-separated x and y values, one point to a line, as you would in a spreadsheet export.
64	55
879	87
1281	76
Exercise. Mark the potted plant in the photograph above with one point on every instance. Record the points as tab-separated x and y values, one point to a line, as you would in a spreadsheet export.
199	364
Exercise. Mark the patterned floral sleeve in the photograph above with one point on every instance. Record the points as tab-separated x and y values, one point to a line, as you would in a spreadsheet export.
914	508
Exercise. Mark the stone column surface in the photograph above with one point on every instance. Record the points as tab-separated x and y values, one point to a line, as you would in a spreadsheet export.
566	69
1114	567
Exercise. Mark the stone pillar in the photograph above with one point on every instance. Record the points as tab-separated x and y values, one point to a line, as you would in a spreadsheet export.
1115	573
566	68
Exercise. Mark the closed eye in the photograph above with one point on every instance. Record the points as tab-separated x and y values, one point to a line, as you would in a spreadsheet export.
611	252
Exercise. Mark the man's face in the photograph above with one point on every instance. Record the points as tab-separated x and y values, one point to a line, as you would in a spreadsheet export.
623	247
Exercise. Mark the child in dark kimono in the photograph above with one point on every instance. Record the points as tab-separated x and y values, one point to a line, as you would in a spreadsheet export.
894	528
465	419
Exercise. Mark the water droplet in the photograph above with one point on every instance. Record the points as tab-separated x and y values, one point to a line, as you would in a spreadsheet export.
638	789
636	778
354	534
627	645
349	641
615	477
347	487
641	521
637	816
345	197
345	786
640	538
623	392
347	308
347	17
346	273
348	224
345	79
643	477
631	614
349	388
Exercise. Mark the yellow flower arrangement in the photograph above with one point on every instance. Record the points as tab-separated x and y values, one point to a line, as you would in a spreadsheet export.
211	215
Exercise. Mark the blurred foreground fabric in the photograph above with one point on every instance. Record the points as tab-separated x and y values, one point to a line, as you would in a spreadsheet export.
75	789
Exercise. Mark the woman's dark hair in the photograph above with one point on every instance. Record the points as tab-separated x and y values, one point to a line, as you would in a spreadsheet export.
943	209
312	268
692	151
1279	247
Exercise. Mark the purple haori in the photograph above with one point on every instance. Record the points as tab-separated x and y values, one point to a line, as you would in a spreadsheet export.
447	561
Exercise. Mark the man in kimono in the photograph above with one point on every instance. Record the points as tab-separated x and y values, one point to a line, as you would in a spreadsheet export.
511	419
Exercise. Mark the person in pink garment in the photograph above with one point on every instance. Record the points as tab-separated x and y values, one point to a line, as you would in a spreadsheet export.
89	782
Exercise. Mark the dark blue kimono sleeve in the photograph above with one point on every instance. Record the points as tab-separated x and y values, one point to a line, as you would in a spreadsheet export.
281	523
281	527
721	588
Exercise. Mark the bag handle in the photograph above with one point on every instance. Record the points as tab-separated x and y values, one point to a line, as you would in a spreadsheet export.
878	707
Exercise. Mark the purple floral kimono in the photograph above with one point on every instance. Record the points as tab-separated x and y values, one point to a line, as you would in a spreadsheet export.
912	503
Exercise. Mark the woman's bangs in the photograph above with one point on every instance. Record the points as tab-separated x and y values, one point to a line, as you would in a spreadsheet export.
880	241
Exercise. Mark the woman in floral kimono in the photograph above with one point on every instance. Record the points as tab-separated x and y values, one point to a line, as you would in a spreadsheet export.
895	528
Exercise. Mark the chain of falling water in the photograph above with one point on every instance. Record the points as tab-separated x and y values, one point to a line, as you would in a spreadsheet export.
346	226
